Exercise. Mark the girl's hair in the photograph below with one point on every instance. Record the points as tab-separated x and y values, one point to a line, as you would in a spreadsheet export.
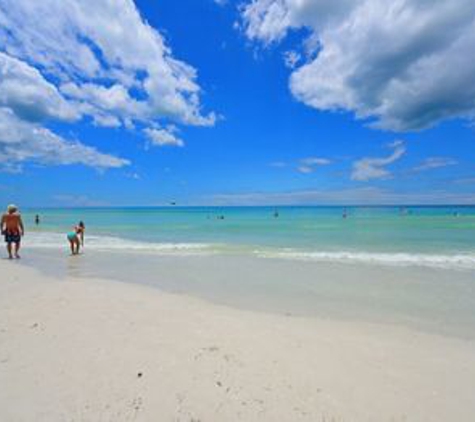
81	224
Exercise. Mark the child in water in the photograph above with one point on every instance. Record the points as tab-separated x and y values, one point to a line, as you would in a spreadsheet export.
76	238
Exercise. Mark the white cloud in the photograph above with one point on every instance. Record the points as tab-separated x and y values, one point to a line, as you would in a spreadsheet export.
22	141
435	162
305	169
309	164
266	20
104	44
164	137
221	2
24	90
291	59
405	64
375	168
109	106
65	60
315	161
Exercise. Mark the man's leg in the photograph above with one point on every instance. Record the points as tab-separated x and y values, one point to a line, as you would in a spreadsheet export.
9	249
17	249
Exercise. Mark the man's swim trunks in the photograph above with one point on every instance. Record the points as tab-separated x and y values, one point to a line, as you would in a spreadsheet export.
12	237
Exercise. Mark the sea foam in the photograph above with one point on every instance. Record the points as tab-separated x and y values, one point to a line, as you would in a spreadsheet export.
456	261
51	240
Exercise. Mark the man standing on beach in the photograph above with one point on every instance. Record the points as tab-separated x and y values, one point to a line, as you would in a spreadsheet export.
13	230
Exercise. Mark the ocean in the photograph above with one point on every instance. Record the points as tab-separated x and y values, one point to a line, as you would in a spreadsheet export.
425	236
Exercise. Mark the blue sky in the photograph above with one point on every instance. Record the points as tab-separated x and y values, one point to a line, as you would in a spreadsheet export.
250	102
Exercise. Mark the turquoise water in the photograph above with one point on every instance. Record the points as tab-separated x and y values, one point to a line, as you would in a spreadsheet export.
367	233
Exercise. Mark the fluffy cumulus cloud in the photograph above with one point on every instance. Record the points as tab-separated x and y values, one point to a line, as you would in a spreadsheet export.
164	137
22	141
375	168
90	60
402	64
24	90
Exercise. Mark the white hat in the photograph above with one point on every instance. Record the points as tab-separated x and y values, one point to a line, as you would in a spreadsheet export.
12	208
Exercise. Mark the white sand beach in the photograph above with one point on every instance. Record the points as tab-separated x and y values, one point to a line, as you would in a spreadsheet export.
94	350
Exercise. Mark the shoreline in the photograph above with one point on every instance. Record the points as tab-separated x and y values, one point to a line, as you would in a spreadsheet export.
89	349
439	301
463	260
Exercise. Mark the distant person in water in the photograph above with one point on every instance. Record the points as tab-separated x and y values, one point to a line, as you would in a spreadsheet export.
76	238
13	230
37	219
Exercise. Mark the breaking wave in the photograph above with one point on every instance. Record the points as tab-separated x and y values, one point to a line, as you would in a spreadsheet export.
456	261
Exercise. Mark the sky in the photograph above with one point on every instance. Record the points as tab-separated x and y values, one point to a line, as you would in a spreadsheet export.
249	102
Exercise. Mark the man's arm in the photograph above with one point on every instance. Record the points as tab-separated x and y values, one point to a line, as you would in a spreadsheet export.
20	223
2	224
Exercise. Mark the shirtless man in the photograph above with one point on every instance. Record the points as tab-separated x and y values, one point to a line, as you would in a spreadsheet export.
12	229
